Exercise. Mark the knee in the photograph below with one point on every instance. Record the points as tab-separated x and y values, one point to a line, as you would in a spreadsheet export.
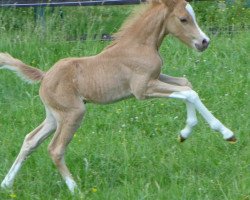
55	154
191	96
186	82
188	95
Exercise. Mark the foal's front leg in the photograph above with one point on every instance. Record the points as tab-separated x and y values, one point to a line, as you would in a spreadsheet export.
156	88
191	112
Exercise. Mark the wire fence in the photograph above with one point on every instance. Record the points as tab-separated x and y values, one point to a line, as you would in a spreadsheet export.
51	3
215	31
54	3
40	14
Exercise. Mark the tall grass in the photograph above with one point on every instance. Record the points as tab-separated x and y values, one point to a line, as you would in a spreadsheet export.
128	150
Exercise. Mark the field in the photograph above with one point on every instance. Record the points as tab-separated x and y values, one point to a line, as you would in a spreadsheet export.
128	150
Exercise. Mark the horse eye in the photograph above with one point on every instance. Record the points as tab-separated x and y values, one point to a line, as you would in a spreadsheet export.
183	20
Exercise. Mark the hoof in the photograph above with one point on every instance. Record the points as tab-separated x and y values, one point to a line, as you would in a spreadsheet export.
181	139
232	140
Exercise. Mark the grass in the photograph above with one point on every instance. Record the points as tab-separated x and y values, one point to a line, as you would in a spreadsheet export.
128	150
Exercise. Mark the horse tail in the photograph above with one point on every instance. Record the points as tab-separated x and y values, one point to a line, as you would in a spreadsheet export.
26	72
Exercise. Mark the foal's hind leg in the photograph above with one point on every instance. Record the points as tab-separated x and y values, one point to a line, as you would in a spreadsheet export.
31	142
68	123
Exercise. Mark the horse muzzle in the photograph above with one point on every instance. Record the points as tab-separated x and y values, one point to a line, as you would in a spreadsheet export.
203	45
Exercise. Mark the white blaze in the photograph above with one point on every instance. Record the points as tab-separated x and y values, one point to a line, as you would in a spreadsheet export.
190	10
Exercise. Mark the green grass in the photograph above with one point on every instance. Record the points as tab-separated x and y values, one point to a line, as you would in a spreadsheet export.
131	146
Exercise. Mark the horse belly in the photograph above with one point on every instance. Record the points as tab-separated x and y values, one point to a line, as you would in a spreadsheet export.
104	88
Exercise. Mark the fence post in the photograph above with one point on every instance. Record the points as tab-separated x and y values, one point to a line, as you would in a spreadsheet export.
39	15
248	3
230	2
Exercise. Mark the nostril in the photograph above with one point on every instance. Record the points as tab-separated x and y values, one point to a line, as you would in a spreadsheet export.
205	42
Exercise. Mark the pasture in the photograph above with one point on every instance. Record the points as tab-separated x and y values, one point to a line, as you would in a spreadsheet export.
129	150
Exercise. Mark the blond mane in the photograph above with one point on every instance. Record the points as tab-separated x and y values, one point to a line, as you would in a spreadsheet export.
137	15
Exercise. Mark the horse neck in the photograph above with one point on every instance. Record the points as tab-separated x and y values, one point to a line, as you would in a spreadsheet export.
148	29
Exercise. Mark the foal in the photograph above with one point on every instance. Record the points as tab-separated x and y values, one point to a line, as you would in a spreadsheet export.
129	67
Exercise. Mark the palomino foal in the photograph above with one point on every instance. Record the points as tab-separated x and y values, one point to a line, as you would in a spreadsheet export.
129	67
